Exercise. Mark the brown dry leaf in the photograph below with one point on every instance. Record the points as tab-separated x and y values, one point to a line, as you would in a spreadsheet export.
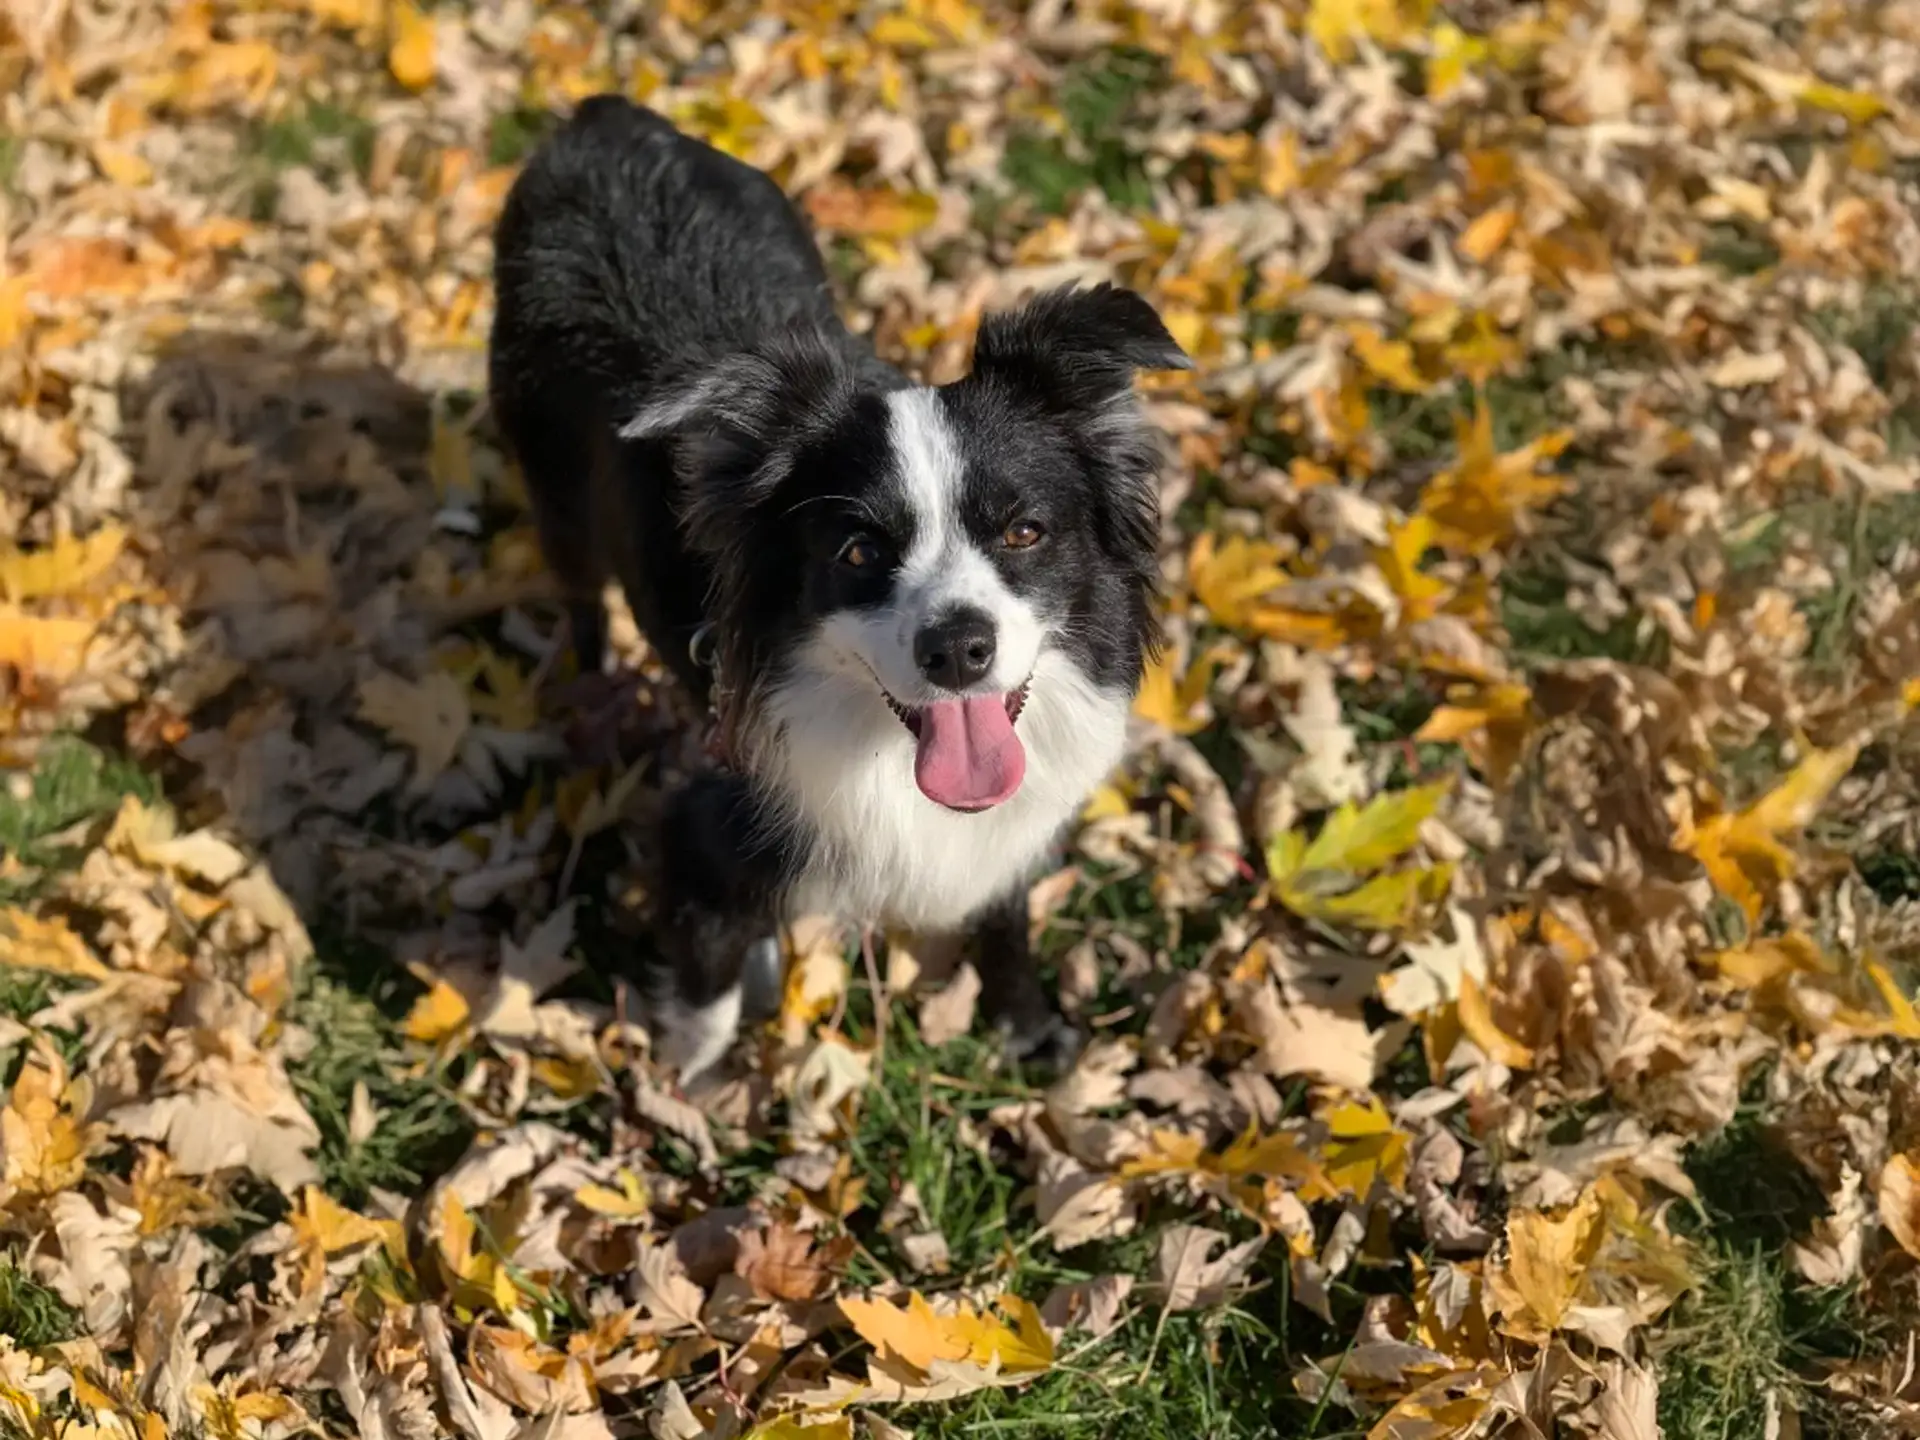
663	1287
781	1263
430	717
949	1014
1188	1275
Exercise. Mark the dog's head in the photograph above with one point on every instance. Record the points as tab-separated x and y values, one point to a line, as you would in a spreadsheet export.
929	560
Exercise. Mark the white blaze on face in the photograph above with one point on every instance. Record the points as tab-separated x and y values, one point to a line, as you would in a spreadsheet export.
944	570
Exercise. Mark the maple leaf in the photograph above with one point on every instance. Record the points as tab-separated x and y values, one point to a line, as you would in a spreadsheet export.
923	1337
51	648
48	944
1479	503
1363	1148
629	1202
1489	722
66	567
429	716
1231	578
1177	704
1742	850
1322	878
44	1137
781	1262
1545	1268
1389	360
1898	1194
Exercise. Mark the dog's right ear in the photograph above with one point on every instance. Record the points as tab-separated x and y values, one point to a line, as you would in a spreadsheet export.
1078	348
737	423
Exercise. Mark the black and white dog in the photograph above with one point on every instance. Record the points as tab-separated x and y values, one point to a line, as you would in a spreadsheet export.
929	607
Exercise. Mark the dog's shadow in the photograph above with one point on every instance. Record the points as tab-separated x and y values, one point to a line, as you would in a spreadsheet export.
346	556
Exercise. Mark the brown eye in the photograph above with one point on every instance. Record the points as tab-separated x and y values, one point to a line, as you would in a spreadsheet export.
859	554
1022	534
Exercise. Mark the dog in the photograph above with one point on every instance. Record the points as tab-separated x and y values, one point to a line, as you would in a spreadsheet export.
920	615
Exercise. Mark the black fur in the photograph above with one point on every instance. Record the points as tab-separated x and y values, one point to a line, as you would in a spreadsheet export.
692	418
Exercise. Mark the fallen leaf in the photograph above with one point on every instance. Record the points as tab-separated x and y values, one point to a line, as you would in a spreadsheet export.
1188	1276
410	56
30	942
948	1015
66	567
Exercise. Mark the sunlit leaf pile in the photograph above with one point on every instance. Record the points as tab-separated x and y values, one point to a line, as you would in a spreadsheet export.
1497	956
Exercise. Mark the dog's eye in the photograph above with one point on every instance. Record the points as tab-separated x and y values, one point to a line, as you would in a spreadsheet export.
860	553
1022	534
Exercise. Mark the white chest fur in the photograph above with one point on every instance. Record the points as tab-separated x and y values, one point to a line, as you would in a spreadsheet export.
881	851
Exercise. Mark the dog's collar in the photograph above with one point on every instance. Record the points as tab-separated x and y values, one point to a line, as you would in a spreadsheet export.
703	648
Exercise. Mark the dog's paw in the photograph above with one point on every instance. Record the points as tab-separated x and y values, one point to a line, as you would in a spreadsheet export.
1048	1042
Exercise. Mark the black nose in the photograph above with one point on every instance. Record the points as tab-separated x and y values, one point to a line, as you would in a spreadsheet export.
956	652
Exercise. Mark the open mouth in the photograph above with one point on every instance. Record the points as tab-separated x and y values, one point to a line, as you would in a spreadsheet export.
913	716
966	754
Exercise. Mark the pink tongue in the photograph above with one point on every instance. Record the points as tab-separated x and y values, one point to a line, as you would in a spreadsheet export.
969	757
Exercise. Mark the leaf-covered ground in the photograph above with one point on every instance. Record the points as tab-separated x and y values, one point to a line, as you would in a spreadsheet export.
1498	956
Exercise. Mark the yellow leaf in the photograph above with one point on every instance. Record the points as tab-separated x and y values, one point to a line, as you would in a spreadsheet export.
1899	1195
1386	902
1904	1021
629	1202
121	165
324	1222
1228	576
1355	840
1478	503
457	1233
1023	1347
1482	240
437	1014
43	647
1476	1018
1177	705
1363	1147
1388	360
1545	1269
914	1334
410	54
804	1427
1490	723
1741	851
1454	53
1338	26
43	1142
1399	560
1858	106
28	942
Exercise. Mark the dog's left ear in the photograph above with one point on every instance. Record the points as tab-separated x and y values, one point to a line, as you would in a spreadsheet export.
1079	349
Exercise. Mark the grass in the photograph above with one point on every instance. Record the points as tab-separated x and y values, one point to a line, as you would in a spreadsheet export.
31	1314
352	1000
1751	1327
72	782
1096	100
330	140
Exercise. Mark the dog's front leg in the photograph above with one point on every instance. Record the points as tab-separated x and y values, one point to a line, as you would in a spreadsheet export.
1011	996
719	881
